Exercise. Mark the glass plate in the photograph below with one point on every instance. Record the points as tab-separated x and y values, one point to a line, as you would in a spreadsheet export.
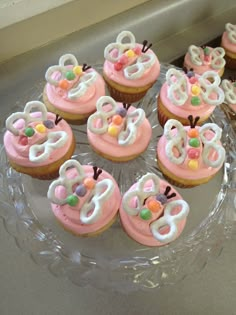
113	260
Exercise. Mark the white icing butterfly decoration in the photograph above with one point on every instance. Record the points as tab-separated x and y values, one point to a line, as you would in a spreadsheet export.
79	82
231	31
134	64
178	91
92	208
148	186
100	121
177	140
230	91
215	56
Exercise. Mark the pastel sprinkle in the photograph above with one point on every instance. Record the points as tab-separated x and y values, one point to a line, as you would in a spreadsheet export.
118	66
113	131
194	142
63	84
89	183
117	119
195	101
81	190
145	214
70	75
29	132
195	89
162	198
193	153
77	70
121	111
193	133
130	53
49	124
41	128
123	59
72	200
154	205
193	165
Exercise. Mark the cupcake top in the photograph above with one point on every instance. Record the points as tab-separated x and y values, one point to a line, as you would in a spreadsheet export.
72	87
204	59
191	152
117	128
35	137
84	197
228	40
189	93
229	88
152	212
129	63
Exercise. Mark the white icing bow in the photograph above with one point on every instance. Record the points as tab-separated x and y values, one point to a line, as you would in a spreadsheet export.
216	56
230	91
231	32
177	139
91	210
178	91
137	65
148	185
79	86
98	123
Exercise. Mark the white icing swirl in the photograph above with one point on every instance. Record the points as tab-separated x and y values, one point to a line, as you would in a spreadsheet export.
231	32
40	152
77	87
170	220
176	141
95	199
177	81
230	91
26	115
128	133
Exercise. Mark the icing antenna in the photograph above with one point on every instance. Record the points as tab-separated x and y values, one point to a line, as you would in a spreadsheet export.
57	119
96	172
193	123
85	67
126	106
168	189
146	46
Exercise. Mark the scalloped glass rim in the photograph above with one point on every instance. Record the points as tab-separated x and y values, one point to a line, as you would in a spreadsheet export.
167	265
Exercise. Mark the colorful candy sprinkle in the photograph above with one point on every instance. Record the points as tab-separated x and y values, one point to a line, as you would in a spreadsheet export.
117	119
193	80
193	165
145	214
29	132
63	84
72	200
154	205
41	128
48	124
206	51
137	50
190	74
161	198
113	131
194	142
193	133
77	70
193	153
81	190
195	89
70	75
89	183
130	53
195	101
118	66
123	59
121	111
23	140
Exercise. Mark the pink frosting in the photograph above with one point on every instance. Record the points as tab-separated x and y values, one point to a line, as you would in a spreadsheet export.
149	76
227	44
233	107
70	216
182	170
83	105
109	145
20	153
206	66
186	109
139	229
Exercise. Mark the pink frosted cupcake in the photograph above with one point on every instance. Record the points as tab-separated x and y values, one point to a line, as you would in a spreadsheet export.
85	199
118	132
152	212
185	94
37	143
228	42
205	59
190	156
72	90
130	69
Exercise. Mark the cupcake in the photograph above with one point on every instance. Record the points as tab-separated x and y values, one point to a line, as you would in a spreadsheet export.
229	106
37	143
205	59
152	212
84	199
130	69
192	155
228	42
72	90
118	132
185	94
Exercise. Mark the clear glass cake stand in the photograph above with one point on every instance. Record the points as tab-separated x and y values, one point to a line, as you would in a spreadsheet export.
112	260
